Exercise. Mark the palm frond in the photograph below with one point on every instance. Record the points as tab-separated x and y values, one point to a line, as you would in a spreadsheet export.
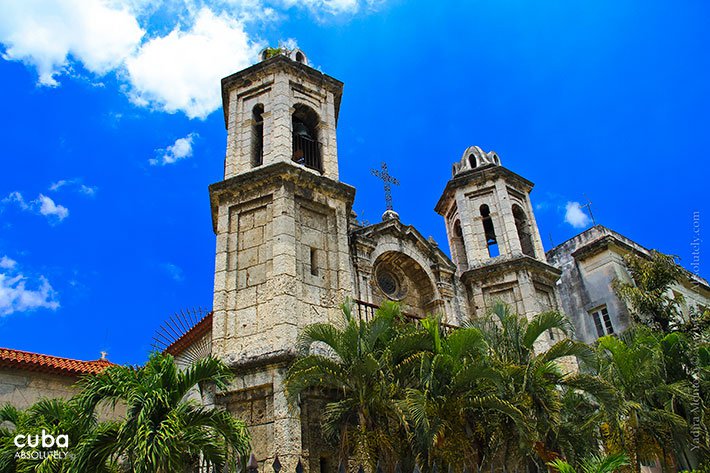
541	323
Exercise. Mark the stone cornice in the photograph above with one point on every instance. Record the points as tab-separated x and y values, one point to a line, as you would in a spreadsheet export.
479	176
505	265
600	245
618	244
273	176
279	63
254	363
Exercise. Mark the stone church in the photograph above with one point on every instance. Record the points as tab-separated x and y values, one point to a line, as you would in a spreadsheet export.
289	251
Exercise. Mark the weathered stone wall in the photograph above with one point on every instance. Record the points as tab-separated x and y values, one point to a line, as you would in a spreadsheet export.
590	262
499	189
278	84
272	225
525	284
425	275
23	388
519	274
282	263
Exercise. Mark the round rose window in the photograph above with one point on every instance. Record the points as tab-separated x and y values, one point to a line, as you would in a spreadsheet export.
388	283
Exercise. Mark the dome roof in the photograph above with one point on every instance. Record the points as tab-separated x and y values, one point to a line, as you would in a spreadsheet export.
474	157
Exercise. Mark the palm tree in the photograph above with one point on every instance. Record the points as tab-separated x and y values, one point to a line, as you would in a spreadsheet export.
452	397
647	423
163	431
55	417
593	464
647	296
351	363
578	435
535	380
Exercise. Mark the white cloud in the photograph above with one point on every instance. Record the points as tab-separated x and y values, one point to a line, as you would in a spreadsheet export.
20	294
44	34
16	198
88	190
48	208
174	72
181	71
181	149
174	271
58	185
322	8
42	205
289	43
575	216
7	263
76	183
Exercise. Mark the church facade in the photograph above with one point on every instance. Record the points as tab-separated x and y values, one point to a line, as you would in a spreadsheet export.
290	251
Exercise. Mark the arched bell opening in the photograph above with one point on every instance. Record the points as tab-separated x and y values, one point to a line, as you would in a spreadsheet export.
459	246
306	147
257	135
522	225
489	231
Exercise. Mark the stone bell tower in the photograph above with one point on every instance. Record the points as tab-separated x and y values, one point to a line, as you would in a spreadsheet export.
280	216
493	237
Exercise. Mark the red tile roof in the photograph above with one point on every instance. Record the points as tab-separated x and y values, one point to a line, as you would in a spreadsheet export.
27	361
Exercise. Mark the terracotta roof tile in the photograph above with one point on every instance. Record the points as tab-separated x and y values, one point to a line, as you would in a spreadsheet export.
28	361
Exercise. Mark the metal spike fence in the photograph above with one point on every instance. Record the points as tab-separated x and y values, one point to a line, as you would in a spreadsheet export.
177	328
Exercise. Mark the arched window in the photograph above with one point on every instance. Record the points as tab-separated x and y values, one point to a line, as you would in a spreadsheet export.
459	247
300	57
472	161
489	231
257	135
524	232
306	147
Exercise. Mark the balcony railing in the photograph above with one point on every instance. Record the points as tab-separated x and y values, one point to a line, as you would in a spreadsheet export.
307	152
366	311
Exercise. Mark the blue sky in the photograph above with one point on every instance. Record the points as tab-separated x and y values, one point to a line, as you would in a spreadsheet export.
112	131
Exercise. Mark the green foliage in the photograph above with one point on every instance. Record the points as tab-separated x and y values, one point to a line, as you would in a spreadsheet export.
501	392
540	383
477	395
163	430
271	52
355	360
648	294
593	464
55	417
654	378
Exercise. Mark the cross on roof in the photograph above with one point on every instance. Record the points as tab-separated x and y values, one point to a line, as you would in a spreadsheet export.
388	181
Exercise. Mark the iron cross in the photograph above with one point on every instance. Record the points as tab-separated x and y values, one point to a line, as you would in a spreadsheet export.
388	180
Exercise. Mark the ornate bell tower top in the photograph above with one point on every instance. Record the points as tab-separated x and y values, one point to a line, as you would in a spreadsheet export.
474	158
281	110
488	212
